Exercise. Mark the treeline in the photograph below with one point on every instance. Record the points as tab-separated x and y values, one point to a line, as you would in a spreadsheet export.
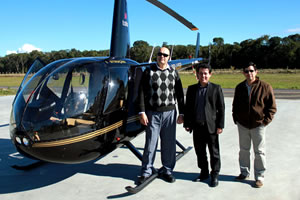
266	52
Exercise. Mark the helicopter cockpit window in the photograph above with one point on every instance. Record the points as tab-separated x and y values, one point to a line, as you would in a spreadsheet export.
64	100
76	89
71	90
36	75
117	89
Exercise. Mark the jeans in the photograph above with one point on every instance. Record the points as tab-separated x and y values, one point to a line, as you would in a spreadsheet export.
161	124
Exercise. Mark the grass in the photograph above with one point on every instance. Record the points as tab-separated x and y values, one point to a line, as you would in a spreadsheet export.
10	81
279	79
7	91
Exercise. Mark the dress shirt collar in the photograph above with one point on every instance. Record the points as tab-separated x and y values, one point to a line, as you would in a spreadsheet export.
168	67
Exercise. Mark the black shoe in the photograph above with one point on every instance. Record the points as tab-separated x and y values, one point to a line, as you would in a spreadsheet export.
241	177
168	177
201	177
214	182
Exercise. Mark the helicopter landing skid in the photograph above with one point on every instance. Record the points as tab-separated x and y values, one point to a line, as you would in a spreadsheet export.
29	167
139	187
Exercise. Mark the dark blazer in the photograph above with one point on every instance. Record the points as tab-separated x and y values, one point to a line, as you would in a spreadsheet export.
214	107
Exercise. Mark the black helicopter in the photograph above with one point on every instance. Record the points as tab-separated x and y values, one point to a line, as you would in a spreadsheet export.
79	109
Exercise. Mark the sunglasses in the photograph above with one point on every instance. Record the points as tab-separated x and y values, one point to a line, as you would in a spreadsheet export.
247	71
162	54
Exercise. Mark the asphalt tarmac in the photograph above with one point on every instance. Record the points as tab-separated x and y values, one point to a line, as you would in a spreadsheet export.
279	93
107	178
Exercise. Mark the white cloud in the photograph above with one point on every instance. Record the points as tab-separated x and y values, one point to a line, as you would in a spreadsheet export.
26	48
10	52
293	30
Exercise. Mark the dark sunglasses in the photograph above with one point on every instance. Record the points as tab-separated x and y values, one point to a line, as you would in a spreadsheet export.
247	71
162	54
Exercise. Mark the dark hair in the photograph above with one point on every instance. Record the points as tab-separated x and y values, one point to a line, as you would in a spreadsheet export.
202	65
250	64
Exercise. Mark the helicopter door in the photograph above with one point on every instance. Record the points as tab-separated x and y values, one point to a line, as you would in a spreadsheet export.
117	89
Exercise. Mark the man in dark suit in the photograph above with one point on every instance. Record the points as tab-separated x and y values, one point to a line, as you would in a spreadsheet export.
204	116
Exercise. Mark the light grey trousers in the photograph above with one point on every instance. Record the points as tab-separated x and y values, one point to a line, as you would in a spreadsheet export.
257	137
161	124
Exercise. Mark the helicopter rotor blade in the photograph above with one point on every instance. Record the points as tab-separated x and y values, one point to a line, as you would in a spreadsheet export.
173	14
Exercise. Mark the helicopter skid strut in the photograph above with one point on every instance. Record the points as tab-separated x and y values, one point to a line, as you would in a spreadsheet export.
139	187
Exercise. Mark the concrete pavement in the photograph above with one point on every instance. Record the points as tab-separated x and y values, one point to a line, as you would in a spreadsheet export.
106	178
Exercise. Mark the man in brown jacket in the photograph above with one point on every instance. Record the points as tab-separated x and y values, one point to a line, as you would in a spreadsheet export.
253	109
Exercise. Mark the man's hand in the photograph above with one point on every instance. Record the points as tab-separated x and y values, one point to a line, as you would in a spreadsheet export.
144	119
188	129
180	119
219	130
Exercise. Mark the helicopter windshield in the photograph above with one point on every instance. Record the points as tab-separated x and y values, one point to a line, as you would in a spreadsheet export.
64	101
35	67
38	75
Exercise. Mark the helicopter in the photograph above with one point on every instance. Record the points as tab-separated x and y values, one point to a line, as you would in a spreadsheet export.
75	110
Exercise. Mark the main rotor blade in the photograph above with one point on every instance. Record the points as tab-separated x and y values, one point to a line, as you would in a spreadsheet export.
174	14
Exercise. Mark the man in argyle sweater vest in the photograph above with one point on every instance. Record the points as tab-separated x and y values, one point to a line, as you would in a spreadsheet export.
160	88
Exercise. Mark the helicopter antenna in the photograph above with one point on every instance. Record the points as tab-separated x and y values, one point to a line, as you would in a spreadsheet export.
173	14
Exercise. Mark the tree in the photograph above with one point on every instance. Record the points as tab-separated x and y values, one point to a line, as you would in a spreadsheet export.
274	57
180	52
23	58
274	52
218	41
140	51
218	53
297	60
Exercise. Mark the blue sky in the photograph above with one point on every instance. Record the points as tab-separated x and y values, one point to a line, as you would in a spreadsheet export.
86	24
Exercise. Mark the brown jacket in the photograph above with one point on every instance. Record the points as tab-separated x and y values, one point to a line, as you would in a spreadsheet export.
256	109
